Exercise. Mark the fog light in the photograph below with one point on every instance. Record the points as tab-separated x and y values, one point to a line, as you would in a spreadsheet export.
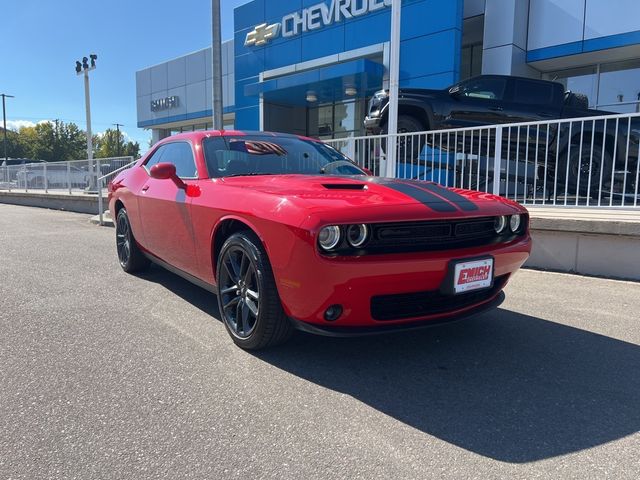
515	223
333	313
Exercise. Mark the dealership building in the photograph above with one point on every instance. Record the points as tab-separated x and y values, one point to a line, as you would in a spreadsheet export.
310	66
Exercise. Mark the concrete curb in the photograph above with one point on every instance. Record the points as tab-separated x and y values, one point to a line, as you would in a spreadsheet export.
107	221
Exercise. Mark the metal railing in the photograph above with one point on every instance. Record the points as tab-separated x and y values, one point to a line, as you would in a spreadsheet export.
591	161
105	179
76	176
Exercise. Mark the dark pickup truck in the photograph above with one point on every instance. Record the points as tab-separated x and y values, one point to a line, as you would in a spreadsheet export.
499	99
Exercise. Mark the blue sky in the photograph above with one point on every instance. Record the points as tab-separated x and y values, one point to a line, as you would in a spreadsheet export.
43	39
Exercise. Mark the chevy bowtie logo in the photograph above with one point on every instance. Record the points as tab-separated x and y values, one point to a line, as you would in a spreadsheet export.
262	34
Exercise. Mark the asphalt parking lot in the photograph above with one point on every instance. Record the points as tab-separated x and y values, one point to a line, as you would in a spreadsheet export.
106	375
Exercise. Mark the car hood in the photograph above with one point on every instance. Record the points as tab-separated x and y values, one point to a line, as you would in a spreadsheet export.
364	198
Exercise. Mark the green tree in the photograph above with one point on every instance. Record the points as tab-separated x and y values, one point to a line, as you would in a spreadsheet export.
14	147
110	144
53	141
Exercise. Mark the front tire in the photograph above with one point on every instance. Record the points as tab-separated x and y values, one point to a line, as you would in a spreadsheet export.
130	256
248	299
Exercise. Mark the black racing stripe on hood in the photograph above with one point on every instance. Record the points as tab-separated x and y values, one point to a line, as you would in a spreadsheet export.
455	198
426	198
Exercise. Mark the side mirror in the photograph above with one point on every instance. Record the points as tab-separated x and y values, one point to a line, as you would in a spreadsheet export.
455	91
167	171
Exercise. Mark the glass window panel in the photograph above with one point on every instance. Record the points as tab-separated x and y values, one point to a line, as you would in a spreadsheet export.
484	88
620	87
533	93
180	155
345	117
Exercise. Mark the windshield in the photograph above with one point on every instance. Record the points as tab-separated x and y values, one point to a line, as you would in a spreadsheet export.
245	155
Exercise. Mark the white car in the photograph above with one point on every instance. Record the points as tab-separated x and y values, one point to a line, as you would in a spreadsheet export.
58	176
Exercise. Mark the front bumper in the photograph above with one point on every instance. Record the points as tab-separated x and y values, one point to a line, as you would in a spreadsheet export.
330	330
308	287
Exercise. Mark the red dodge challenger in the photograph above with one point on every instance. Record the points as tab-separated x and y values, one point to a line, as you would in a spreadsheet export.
289	233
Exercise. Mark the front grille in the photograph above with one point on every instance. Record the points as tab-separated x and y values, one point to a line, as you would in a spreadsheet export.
431	235
423	304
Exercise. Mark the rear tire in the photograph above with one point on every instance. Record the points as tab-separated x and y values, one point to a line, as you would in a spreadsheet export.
130	256
580	166
406	124
248	299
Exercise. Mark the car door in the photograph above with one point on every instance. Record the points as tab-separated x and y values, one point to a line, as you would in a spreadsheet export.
165	209
478	101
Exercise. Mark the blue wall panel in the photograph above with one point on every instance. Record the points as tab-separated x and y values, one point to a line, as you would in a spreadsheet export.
430	44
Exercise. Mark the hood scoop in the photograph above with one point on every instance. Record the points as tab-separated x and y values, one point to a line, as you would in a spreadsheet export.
345	186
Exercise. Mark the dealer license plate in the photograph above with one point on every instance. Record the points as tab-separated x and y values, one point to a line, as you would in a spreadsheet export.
473	275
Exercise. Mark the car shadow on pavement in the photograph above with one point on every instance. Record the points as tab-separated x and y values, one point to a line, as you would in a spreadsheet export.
508	386
505	385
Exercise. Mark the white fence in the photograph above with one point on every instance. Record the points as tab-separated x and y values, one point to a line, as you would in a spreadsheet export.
63	177
590	161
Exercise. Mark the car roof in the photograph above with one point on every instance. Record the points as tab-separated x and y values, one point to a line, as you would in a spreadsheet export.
230	133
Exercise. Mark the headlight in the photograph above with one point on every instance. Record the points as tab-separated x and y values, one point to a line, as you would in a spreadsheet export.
515	223
329	237
500	224
357	235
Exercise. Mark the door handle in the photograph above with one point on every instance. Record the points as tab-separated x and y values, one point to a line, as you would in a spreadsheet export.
546	114
145	188
496	109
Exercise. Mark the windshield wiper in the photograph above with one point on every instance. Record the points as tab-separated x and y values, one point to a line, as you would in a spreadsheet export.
250	174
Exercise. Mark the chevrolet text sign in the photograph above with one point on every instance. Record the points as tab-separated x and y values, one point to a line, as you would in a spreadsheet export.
313	18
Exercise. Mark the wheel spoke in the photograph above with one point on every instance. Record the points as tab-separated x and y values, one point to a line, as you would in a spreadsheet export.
252	307
238	315
235	267
229	271
245	318
253	295
231	303
244	266
228	290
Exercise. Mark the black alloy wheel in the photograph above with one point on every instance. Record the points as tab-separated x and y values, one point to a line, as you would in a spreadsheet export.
240	291
129	255
248	299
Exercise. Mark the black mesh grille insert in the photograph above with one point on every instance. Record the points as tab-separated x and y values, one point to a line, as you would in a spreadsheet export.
423	304
431	235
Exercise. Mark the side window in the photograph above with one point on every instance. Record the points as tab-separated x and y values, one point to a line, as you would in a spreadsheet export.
533	93
155	158
180	155
485	88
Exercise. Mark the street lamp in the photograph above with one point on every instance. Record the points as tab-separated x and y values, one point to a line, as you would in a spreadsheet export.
83	68
4	125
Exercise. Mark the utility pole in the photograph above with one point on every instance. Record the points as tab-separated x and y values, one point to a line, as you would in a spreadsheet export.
84	68
216	63
4	125
394	81
118	125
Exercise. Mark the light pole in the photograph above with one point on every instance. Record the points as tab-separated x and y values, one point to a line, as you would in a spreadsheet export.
85	68
394	80
216	64
118	125
4	125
